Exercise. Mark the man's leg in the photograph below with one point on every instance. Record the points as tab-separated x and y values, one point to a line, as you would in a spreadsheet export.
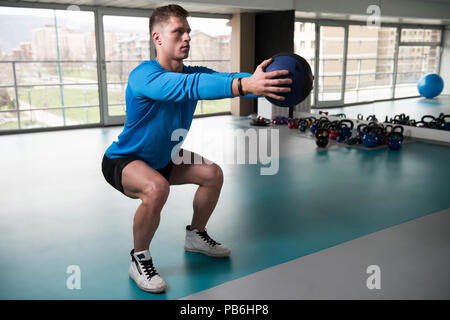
209	178
141	181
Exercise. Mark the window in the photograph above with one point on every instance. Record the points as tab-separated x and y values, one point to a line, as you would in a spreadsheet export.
301	27
304	43
49	64
420	35
332	42
418	55
413	64
127	44
378	65
211	48
370	63
49	69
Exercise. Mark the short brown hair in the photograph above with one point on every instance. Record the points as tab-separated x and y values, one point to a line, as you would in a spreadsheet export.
162	14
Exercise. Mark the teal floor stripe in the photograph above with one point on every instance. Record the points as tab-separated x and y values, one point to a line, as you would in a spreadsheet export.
317	200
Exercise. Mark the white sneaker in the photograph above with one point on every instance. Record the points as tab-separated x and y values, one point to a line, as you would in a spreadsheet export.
201	242
144	274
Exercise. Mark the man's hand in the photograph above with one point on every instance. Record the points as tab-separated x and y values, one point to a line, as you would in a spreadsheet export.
262	83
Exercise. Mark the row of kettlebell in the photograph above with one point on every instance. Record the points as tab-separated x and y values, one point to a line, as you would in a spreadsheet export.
370	135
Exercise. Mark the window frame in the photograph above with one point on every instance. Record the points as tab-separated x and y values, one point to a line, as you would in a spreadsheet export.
399	27
98	12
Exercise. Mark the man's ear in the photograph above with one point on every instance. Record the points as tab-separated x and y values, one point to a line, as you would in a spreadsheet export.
156	38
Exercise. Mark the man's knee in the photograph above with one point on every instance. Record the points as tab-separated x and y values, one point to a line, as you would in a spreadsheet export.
155	192
214	175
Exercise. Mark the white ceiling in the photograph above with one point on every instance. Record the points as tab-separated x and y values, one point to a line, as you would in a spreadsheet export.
194	6
313	9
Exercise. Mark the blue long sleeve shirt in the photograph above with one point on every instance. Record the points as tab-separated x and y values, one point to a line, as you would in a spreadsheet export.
158	102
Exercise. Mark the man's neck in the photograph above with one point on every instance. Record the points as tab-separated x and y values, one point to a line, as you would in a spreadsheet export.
171	65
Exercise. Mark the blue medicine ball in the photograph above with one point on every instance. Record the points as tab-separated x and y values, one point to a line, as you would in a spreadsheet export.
430	85
299	72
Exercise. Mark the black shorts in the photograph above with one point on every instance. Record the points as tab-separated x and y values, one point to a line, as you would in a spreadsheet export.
112	170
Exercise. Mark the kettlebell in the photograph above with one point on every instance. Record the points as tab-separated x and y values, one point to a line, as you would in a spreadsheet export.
386	132
290	124
351	140
316	124
311	120
313	128
429	124
345	131
380	134
302	125
333	129
398	127
395	138
369	138
401	119
322	137
377	129
445	125
360	132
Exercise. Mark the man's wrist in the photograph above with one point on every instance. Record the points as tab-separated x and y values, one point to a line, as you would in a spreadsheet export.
241	93
245	86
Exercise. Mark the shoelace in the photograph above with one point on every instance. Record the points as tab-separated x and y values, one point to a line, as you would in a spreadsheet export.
148	267
207	238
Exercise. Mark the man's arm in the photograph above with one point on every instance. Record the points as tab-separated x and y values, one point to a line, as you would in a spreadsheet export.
251	83
200	69
233	75
262	83
162	85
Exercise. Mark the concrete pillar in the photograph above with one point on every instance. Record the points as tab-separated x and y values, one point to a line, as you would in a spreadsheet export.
242	56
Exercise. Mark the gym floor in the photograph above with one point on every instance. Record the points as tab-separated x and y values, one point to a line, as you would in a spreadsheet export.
308	232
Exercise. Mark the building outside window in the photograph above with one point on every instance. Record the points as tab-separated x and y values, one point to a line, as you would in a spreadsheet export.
418	55
49	69
211	47
373	70
49	63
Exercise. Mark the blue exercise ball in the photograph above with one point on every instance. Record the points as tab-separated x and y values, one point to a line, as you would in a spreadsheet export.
430	85
299	72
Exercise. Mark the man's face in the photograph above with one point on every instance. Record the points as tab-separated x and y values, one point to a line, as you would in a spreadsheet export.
174	38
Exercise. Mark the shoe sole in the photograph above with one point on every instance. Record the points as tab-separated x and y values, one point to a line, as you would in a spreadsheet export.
157	290
207	253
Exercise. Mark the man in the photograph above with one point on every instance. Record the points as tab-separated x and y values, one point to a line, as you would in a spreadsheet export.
161	97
